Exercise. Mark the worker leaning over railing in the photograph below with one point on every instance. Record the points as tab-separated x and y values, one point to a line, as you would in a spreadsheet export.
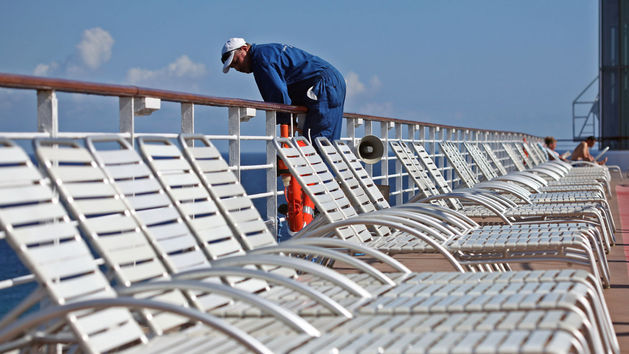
288	75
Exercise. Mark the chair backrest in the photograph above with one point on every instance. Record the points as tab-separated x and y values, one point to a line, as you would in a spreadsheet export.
167	231
165	227
226	191
430	166
481	161
416	171
40	231
527	158
103	216
185	188
317	181
492	156
460	166
532	149
348	181
365	180
542	151
513	155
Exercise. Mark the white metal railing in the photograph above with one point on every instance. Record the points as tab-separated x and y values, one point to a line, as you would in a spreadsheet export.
134	101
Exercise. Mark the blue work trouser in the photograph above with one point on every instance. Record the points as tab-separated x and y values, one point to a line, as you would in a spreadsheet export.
325	97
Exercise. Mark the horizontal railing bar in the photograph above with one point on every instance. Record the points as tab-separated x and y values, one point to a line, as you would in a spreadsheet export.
256	167
92	88
426	124
261	195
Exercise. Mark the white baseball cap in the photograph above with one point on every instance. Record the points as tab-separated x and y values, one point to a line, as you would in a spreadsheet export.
227	54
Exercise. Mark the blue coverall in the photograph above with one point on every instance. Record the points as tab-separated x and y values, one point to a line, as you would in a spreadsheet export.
285	74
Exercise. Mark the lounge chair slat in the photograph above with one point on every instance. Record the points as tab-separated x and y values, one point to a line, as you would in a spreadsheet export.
68	267
12	155
25	194
136	186
180	179
110	223
117	156
127	171
90	190
114	338
145	201
128	255
170	164
18	174
76	173
158	215
161	151
32	213
100	206
89	283
189	193
143	271
68	155
199	207
45	232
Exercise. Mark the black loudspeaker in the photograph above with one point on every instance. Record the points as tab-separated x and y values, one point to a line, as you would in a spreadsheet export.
370	149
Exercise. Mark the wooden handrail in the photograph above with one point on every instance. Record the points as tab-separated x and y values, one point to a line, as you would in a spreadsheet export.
92	88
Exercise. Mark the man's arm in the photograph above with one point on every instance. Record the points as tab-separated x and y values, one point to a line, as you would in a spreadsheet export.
273	89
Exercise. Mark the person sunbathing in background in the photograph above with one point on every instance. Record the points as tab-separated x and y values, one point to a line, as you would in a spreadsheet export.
551	145
582	151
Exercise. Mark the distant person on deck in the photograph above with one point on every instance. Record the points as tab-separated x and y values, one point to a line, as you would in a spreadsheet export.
582	151
285	74
551	145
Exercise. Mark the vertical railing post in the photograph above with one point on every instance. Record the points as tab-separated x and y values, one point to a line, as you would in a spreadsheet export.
234	141
384	164
126	116
47	112
368	131
399	198
271	173
351	131
187	118
446	135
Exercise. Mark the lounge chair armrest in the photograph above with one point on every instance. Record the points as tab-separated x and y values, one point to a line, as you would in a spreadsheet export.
298	264
510	188
532	184
534	176
453	221
467	196
394	222
427	223
287	247
287	317
545	170
54	312
287	282
492	195
330	242
446	214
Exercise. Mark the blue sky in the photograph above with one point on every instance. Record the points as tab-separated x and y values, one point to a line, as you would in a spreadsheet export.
508	65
